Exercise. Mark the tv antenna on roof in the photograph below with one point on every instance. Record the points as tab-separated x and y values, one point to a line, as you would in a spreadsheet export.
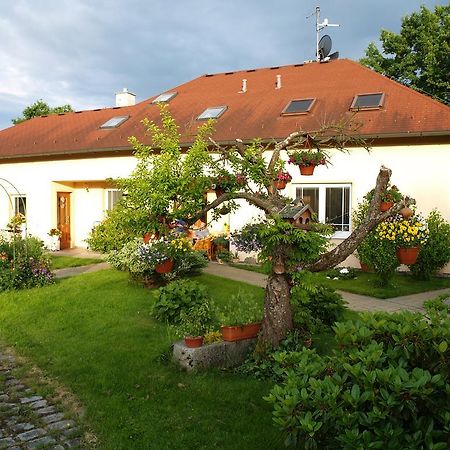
323	46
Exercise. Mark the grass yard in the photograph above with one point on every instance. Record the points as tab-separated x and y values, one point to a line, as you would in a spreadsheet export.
365	283
62	262
93	333
402	284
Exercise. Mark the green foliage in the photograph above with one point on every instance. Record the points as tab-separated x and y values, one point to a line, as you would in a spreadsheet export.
176	297
418	56
315	307
23	263
120	226
225	256
387	386
140	259
281	239
435	253
196	321
40	108
378	254
241	310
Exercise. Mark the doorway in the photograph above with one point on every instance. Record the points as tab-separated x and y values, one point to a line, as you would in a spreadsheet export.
63	212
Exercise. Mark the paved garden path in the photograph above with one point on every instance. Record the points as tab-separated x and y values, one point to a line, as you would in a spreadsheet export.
29	421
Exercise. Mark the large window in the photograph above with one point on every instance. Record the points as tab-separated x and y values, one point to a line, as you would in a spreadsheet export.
331	203
113	197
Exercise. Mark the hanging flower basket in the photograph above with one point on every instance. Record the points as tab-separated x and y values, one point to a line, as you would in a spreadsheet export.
280	184
385	206
307	170
219	191
407	255
164	267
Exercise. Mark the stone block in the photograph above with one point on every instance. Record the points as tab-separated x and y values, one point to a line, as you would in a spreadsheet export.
219	354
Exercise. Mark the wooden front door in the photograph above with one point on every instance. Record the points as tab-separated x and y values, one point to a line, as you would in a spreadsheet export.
64	218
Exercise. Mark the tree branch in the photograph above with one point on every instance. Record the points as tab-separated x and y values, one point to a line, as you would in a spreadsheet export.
373	218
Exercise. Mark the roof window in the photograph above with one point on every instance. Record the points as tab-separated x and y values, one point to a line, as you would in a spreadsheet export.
368	101
114	122
212	113
164	98
300	106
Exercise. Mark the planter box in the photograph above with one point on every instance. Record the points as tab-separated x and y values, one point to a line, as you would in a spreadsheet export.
238	333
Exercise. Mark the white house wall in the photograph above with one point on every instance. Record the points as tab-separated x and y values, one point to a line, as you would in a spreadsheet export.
421	172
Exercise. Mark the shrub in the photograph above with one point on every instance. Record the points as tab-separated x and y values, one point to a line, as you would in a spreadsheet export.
176	297
196	320
315	308
140	259
387	387
117	229
435	253
241	310
23	263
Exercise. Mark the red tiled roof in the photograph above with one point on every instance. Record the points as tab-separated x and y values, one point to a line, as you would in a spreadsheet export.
253	114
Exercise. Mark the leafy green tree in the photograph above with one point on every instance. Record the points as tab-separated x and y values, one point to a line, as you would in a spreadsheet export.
170	182
419	56
40	108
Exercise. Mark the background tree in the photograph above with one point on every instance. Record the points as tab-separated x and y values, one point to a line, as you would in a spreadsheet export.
170	183
419	56
40	108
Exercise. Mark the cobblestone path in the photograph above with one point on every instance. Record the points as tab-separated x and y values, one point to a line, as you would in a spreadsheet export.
28	421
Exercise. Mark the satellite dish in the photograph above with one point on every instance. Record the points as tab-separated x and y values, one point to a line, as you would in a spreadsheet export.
334	55
324	46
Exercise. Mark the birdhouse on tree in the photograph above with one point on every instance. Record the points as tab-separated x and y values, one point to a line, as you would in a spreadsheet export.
298	214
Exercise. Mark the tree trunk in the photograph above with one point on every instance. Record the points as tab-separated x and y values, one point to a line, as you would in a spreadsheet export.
277	310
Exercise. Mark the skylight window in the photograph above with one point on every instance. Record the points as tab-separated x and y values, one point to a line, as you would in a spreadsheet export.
114	122
301	106
368	101
212	113
164	98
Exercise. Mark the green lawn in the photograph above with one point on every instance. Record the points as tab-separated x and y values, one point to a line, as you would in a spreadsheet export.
61	262
366	283
94	334
402	284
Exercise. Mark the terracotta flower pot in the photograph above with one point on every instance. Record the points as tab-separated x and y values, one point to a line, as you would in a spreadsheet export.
147	237
384	206
164	267
238	333
280	184
364	267
408	255
193	341
307	170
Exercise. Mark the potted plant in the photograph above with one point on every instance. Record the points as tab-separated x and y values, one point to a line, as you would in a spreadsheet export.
307	160
282	179
224	183
15	223
408	235
158	253
241	319
55	236
194	323
389	196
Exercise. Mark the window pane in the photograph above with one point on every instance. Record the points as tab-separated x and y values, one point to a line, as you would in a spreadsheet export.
20	205
310	196
337	211
113	198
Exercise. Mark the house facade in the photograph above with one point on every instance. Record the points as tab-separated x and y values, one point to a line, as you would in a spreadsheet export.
57	167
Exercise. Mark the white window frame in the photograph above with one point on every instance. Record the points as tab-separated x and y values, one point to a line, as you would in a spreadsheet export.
322	203
15	201
107	193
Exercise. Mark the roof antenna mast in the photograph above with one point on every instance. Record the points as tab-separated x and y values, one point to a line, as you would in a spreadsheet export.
319	27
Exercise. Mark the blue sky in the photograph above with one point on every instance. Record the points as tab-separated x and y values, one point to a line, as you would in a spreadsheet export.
82	52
